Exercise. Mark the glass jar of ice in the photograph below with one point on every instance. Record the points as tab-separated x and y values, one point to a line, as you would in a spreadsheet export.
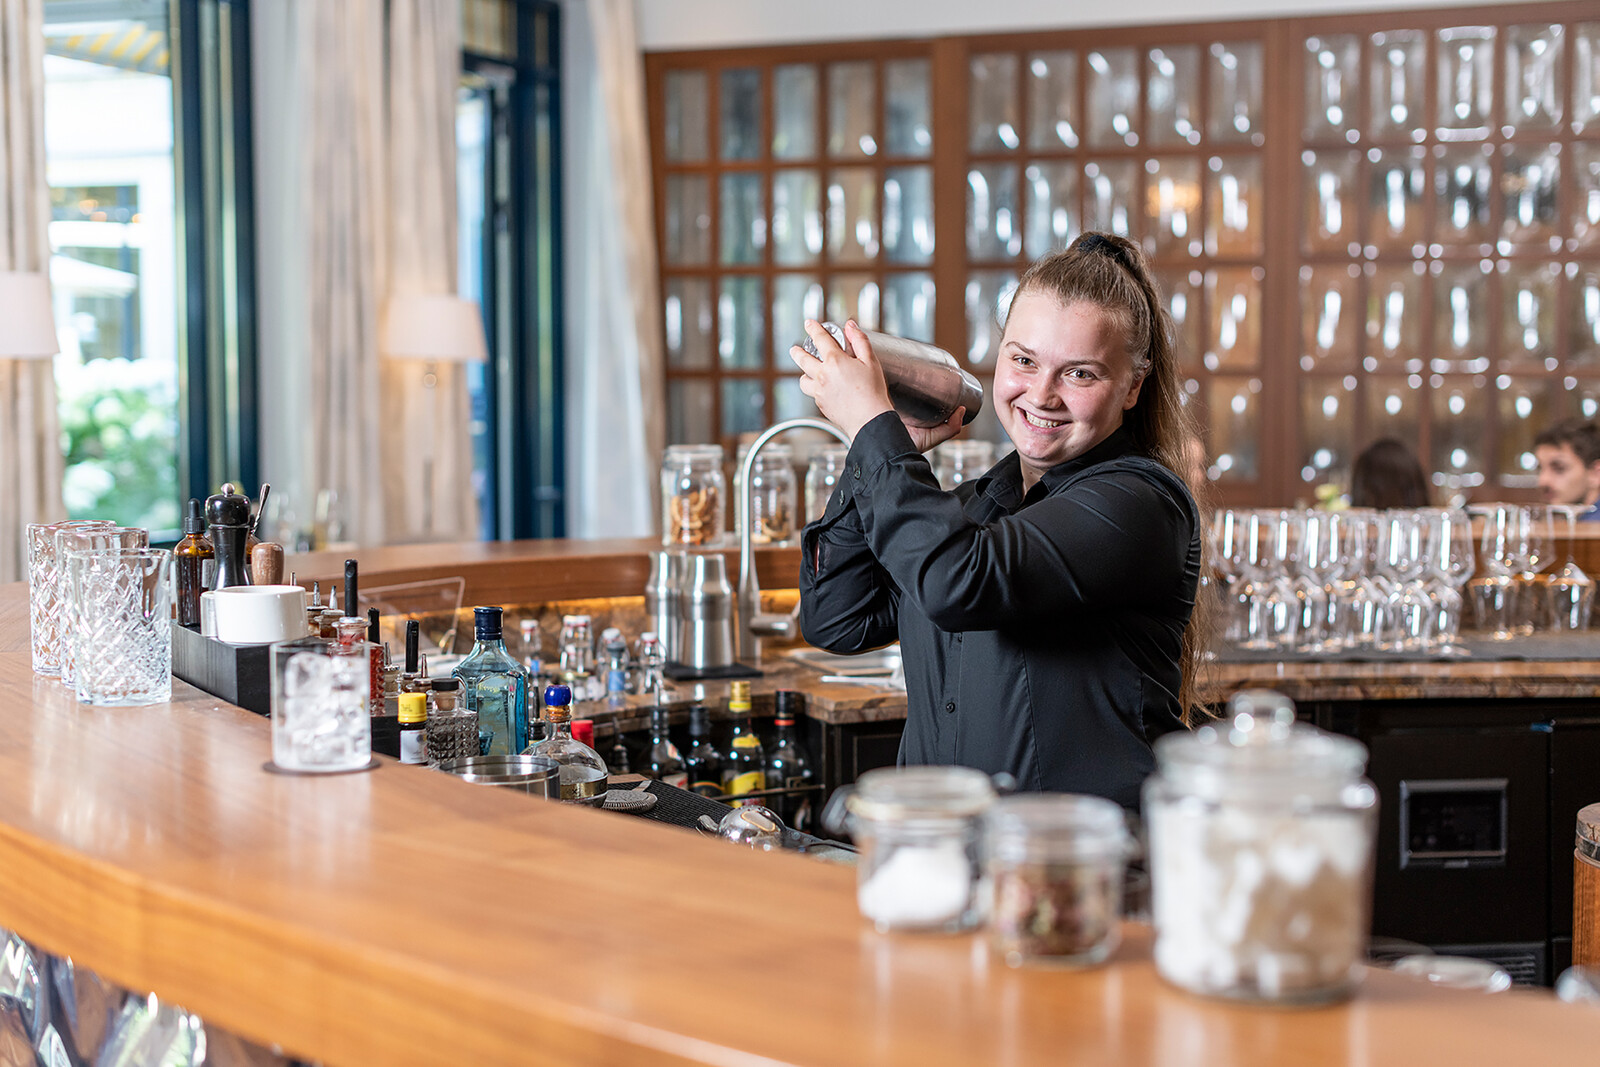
1261	843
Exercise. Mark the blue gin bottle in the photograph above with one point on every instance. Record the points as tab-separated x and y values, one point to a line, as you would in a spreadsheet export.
495	685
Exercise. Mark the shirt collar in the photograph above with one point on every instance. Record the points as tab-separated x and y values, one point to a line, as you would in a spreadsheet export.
1003	482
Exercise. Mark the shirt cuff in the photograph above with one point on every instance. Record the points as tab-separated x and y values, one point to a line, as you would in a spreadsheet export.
882	439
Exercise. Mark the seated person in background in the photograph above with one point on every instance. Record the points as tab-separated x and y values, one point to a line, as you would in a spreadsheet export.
1387	475
1569	465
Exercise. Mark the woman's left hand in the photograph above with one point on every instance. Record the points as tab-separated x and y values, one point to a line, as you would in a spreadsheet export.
848	386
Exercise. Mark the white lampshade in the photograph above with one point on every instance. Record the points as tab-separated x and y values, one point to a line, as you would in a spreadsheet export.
27	321
446	329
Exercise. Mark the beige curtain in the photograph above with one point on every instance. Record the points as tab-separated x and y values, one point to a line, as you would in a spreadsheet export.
30	437
616	405
355	150
424	70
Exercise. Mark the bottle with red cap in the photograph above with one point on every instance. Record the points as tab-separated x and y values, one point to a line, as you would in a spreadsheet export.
788	766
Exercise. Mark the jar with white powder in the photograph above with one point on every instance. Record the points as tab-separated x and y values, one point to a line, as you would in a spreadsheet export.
917	829
1261	835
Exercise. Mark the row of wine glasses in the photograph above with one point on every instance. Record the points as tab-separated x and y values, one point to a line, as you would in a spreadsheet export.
1325	582
1513	595
1328	582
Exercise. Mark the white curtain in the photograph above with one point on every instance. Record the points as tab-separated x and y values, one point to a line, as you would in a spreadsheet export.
355	159
30	439
616	407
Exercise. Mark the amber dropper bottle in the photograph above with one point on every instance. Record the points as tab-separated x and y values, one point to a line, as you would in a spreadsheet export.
195	560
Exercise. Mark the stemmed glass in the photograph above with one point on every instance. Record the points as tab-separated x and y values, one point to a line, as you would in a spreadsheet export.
1450	565
1403	558
1533	553
1359	597
1571	590
1321	565
1494	589
1281	601
1229	559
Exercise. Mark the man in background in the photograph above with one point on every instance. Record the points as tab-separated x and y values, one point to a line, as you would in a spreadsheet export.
1569	465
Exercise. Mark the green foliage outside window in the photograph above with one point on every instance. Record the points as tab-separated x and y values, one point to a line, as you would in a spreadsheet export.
121	448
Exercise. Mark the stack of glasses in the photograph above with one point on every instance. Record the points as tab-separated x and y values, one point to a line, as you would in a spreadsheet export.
100	607
1400	580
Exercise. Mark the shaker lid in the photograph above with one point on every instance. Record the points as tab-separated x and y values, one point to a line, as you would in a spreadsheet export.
1589	827
1259	742
921	792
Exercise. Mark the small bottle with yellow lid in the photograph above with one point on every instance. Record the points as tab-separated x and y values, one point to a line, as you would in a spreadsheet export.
413	723
746	768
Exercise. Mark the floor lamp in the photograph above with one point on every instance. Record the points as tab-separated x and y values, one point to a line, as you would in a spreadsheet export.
434	328
27	319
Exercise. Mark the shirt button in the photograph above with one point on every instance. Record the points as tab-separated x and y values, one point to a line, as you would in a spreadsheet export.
858	472
950	707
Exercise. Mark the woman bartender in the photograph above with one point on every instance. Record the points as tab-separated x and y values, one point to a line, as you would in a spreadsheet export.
1044	609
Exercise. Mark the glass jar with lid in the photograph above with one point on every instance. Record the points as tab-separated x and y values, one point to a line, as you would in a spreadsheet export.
1261	844
960	461
822	474
774	497
693	497
1054	866
918	830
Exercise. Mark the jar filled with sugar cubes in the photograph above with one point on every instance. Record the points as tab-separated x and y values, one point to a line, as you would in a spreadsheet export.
1261	834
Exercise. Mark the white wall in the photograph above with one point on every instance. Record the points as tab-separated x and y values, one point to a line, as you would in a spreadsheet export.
668	25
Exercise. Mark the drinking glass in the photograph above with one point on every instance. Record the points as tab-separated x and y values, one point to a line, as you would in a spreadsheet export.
1532	545
1450	565
1228	559
1408	614
1571	590
1321	565
90	540
1494	589
1358	598
121	623
321	723
1281	602
46	587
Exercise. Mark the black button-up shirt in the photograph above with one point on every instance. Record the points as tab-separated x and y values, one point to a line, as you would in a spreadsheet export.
1041	633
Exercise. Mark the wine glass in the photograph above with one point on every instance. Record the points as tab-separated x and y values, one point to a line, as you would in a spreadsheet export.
1450	565
1321	564
1229	558
1359	598
1494	589
1532	554
1403	558
1571	590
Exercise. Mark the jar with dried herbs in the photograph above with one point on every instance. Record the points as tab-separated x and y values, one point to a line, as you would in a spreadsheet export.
693	497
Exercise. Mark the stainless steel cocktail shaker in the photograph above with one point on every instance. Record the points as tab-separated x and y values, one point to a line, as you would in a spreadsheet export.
925	383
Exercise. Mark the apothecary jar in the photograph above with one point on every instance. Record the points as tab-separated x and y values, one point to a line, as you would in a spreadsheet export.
1261	842
694	497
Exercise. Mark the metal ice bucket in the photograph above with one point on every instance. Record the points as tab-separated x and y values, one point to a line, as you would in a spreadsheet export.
534	775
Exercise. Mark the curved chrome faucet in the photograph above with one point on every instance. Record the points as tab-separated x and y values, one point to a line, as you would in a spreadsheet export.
753	622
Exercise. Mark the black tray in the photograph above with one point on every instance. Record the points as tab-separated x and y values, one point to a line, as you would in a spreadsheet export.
239	674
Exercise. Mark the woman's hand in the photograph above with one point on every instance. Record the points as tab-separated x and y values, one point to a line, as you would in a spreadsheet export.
849	388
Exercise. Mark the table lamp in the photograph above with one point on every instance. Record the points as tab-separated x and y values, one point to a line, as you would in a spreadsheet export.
435	328
27	319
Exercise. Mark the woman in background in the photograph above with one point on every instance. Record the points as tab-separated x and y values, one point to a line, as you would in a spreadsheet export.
1387	475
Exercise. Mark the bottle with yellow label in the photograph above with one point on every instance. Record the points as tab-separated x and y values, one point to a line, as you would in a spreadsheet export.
746	768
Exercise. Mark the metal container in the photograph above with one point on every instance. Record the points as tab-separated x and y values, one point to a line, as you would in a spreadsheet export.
534	775
926	384
663	599
707	614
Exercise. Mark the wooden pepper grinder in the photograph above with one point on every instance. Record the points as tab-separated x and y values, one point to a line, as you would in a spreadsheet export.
228	516
266	564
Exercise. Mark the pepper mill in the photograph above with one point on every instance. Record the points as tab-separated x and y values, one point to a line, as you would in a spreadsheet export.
228	515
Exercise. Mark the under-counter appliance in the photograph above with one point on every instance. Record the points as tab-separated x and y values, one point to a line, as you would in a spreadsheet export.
1477	807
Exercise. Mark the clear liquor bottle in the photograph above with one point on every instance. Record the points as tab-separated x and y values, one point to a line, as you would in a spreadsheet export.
495	685
583	772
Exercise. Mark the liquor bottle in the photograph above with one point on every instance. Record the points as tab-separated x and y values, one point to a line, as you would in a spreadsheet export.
494	685
617	754
703	764
583	772
195	560
664	763
413	726
746	768
788	766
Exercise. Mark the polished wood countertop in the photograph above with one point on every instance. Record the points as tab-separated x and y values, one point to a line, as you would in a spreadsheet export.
401	917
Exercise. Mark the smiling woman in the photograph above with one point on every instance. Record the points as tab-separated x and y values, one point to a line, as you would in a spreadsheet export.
1045	609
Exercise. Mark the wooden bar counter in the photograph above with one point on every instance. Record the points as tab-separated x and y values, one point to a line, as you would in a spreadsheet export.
402	917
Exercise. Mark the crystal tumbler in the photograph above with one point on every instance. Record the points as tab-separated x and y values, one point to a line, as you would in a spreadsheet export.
121	621
320	719
91	540
45	588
